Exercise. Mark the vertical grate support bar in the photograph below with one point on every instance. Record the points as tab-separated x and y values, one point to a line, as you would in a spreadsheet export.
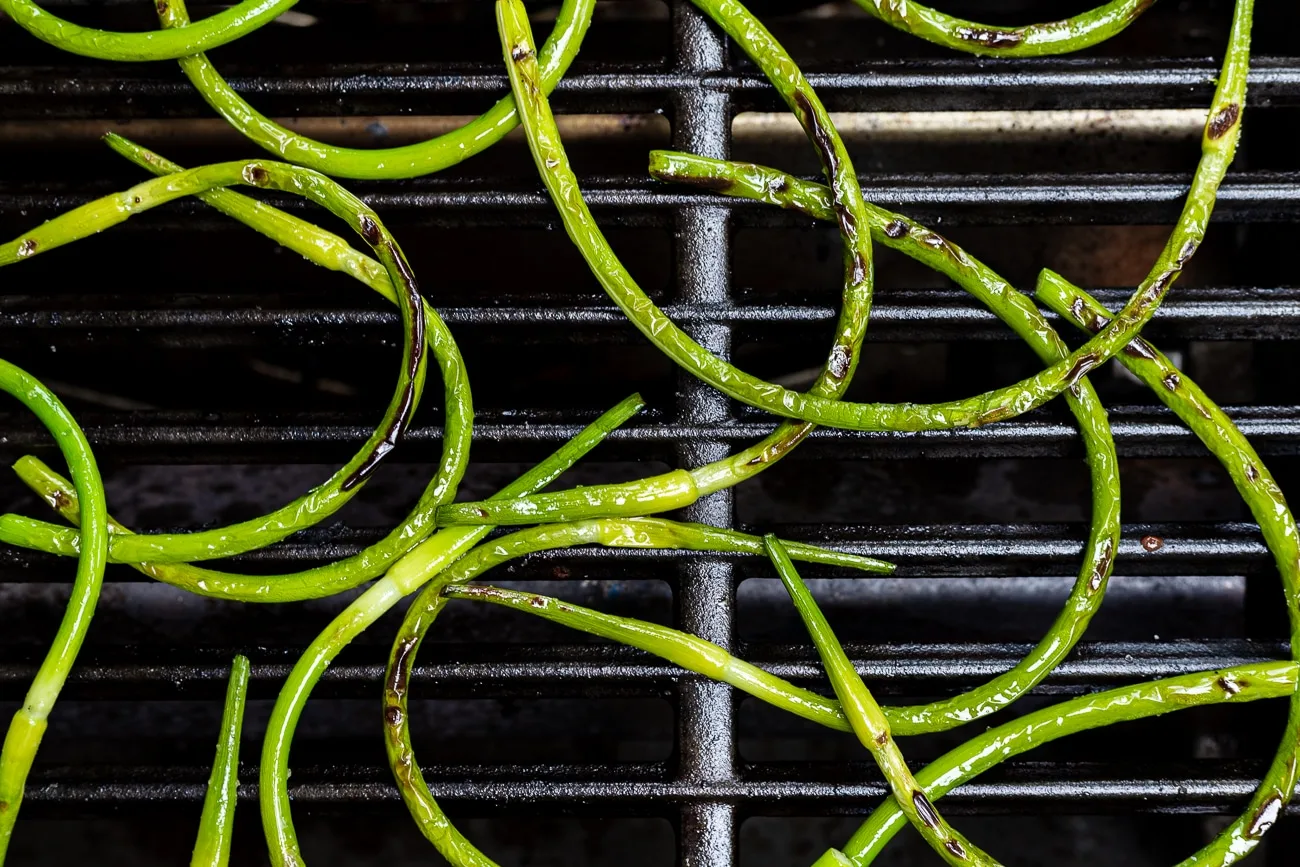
706	588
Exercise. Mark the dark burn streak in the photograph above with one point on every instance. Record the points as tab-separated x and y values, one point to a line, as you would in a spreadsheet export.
399	676
1223	121
162	7
924	809
1139	348
957	850
27	247
1252	472
60	500
778	449
1081	366
897	229
520	52
1102	567
1228	686
393	716
397	426
256	175
369	229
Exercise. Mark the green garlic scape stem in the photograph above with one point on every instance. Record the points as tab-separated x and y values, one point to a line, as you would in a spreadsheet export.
1034	40
1024	318
1269	507
841	361
328	250
408	161
29	722
870	725
1219	143
223	27
988	749
217	826
344	484
680	648
427	560
626	533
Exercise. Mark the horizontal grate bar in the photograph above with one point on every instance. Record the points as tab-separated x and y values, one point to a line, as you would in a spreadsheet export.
929	314
176	437
930	85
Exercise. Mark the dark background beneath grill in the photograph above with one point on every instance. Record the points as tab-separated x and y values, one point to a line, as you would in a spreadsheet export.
219	376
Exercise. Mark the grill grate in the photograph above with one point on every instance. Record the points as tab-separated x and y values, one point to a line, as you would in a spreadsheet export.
985	524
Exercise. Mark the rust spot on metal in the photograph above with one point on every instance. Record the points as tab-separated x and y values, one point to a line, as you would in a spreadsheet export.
1228	686
409	292
1172	381
27	247
897	229
1102	567
990	38
399	677
369	229
1152	543
956	849
925	809
1223	120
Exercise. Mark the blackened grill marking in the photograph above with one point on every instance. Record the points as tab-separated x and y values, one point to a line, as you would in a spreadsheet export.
1102	569
402	418
1223	121
520	52
60	500
882	739
1265	817
897	229
957	850
1252	472
27	247
369	229
1139	348
925	809
1172	381
398	679
256	175
1231	687
393	716
1081	366
162	7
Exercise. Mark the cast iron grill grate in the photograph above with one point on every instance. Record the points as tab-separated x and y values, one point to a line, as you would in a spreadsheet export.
274	370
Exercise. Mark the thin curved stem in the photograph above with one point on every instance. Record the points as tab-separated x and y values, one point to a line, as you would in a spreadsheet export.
329	251
989	749
408	161
1033	40
868	722
1218	146
1276	522
217	825
216	30
343	485
29	722
428	559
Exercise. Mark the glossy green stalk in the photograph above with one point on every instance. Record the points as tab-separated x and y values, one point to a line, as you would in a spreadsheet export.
842	359
427	560
680	648
219	29
343	485
1269	507
408	161
1219	144
1034	40
330	251
29	721
868	722
989	749
1019	313
625	533
217	826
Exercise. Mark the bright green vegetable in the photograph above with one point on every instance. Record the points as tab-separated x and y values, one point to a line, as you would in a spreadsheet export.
28	725
217	826
1269	507
219	29
1218	146
329	251
868	722
408	161
415	568
1034	40
344	484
